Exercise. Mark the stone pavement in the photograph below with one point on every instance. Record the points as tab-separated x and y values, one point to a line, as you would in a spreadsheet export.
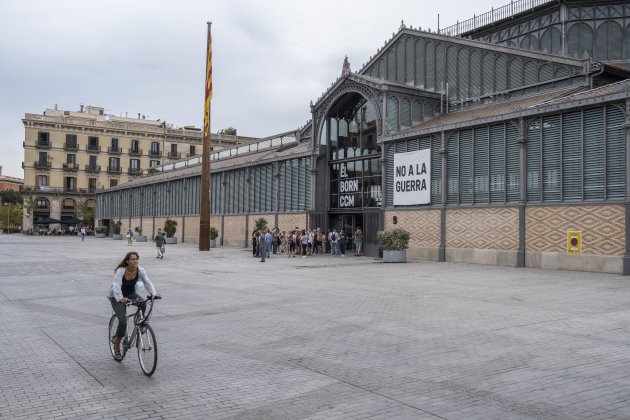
314	338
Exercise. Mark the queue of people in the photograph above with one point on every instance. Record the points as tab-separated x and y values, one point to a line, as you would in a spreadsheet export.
304	242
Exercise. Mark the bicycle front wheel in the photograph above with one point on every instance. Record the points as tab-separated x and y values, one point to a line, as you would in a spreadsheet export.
113	325
147	349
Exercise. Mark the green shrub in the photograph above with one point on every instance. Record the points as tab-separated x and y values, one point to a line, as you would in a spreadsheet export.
138	230
116	227
101	229
395	239
170	227
261	223
214	233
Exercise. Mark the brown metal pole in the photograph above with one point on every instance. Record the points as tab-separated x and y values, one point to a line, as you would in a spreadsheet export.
204	200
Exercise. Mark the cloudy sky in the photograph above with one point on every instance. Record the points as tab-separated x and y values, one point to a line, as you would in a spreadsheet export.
270	58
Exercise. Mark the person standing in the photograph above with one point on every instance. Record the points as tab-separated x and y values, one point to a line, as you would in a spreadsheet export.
358	241
261	246
83	234
129	237
342	242
160	242
268	242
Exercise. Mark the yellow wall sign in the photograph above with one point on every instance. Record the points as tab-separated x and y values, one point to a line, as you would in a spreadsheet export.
574	242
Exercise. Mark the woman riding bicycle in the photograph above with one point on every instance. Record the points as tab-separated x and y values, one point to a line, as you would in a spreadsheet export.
129	278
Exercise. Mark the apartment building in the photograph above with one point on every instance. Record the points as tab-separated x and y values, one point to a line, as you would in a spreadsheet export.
69	155
9	182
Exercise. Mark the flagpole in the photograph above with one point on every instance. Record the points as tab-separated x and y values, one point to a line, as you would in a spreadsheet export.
204	200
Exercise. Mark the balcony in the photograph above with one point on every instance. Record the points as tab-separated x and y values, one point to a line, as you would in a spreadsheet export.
93	148
71	147
192	154
154	153
42	165
114	150
71	167
43	144
135	152
69	190
174	155
92	168
134	171
114	169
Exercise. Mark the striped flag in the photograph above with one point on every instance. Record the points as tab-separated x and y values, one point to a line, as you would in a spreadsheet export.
206	113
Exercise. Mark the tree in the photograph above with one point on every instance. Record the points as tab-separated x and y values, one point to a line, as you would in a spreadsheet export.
11	196
11	216
86	212
261	223
229	131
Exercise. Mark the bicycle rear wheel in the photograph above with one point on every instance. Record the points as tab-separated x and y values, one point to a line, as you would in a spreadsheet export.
113	325
147	349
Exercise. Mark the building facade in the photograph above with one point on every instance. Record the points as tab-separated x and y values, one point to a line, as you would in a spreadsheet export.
10	182
498	143
68	156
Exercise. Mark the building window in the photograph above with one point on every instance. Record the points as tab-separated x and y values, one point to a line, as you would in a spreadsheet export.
71	183
71	141
43	139
42	203
113	182
192	151
114	164
134	165
68	204
135	146
42	180
93	144
71	158
153	163
43	158
92	185
155	148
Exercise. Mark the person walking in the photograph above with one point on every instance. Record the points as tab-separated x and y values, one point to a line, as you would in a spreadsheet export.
268	242
83	234
129	237
129	279
261	246
334	243
160	242
358	242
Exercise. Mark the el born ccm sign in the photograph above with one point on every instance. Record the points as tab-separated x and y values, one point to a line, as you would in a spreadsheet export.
412	177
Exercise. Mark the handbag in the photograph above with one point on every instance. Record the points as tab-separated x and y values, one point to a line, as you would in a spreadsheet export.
163	250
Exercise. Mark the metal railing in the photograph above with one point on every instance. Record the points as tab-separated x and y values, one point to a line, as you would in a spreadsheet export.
71	166
495	15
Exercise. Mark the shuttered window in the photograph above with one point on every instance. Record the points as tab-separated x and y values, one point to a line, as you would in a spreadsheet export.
594	151
420	59
400	62
512	156
615	153
451	68
534	163
516	73
391	65
463	62
392	113
466	167
430	66
572	156
440	67
405	113
497	163
551	155
501	73
488	72
452	165
410	60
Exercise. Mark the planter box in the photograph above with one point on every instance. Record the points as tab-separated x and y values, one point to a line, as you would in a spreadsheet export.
140	238
99	235
213	243
117	236
398	256
171	241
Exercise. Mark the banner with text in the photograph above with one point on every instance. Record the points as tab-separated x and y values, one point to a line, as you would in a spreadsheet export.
412	177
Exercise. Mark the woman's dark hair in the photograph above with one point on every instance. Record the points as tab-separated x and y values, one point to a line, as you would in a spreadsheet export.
125	261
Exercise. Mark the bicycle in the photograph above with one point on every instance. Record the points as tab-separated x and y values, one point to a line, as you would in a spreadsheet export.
142	335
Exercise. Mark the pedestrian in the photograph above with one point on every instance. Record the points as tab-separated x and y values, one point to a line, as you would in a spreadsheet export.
268	242
160	242
255	234
334	243
129	237
304	240
129	279
342	242
83	234
358	242
261	245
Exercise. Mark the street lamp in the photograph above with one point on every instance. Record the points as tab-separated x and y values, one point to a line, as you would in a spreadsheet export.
8	206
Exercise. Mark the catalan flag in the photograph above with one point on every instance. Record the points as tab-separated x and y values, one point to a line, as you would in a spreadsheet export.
206	113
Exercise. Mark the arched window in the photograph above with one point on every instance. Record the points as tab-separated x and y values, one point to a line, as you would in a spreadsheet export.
420	59
430	69
400	62
529	42
463	62
391	65
451	71
531	73
607	41
440	66
382	68
515	78
551	41
545	72
501	73
580	39
488	72
475	73
392	113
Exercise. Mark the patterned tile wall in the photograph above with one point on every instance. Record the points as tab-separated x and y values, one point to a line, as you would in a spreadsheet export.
602	227
234	230
486	228
288	221
423	226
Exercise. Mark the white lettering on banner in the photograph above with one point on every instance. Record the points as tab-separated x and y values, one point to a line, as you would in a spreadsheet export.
351	185
412	177
346	201
343	171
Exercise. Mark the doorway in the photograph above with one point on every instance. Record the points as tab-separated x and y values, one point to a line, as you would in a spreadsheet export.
348	223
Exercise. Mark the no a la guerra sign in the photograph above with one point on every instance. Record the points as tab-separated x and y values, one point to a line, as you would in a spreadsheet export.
412	177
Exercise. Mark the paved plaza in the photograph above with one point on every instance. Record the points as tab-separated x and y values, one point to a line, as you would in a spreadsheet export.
310	338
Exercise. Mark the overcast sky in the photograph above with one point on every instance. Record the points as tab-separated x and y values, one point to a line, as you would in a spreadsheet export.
270	58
